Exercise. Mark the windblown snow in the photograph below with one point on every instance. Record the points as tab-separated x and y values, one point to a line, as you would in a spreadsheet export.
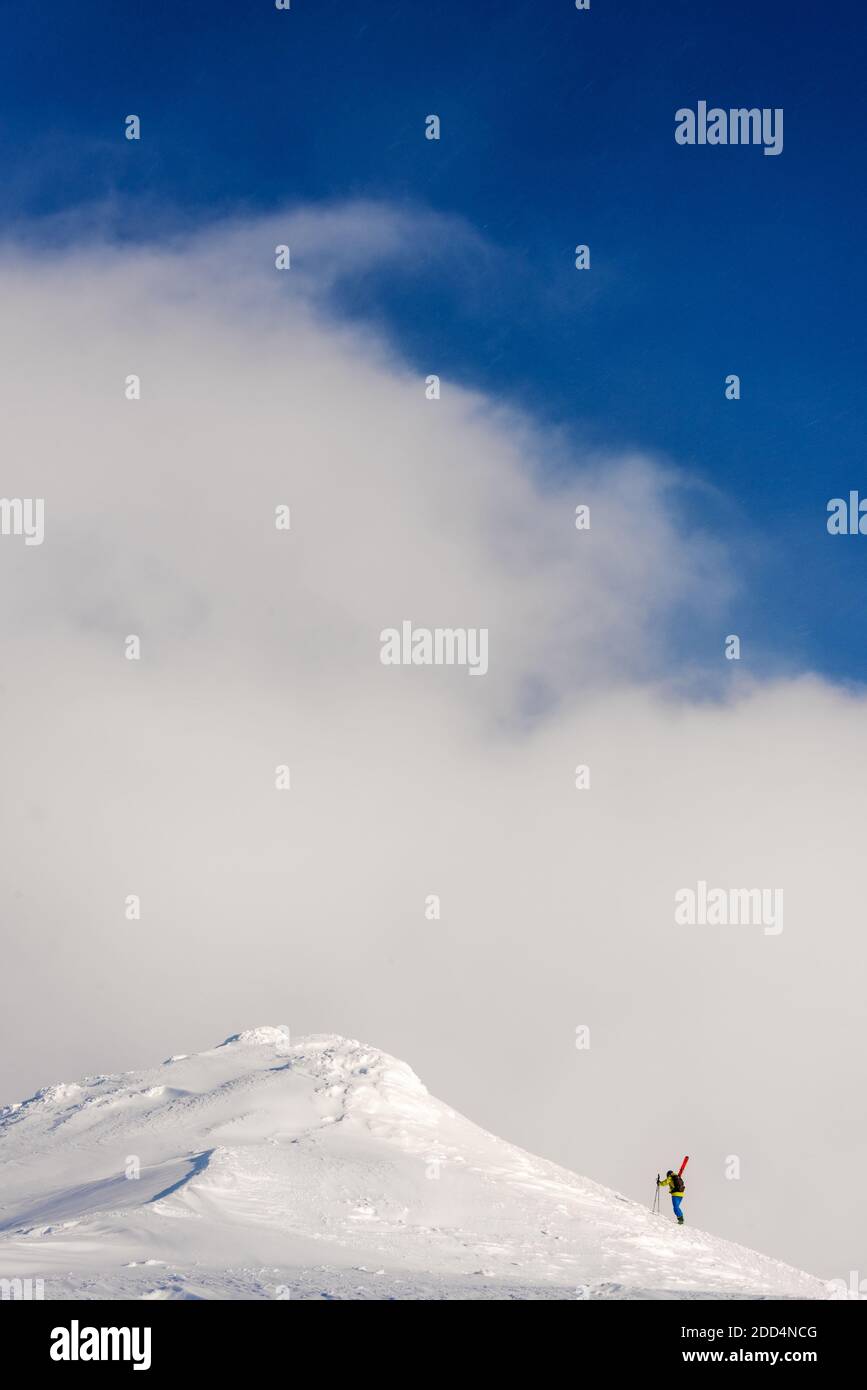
322	1168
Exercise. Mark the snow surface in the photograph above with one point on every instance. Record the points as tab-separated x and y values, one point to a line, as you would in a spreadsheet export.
322	1169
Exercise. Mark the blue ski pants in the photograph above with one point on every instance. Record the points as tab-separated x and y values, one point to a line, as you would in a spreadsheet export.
676	1199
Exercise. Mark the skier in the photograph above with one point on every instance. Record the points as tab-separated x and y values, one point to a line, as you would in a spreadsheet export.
677	1187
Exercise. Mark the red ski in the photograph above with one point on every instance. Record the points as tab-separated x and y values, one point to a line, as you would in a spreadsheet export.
682	1166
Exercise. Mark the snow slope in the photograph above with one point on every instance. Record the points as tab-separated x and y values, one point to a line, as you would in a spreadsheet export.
322	1169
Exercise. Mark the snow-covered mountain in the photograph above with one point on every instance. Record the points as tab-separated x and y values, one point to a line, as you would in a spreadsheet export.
322	1169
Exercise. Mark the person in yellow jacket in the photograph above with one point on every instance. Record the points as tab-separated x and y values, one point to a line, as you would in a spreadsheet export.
677	1187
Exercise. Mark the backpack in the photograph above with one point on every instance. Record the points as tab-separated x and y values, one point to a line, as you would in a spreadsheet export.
677	1184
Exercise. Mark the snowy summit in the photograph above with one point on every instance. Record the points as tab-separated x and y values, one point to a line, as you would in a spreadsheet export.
322	1168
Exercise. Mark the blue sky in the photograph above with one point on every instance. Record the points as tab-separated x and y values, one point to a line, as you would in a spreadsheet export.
557	128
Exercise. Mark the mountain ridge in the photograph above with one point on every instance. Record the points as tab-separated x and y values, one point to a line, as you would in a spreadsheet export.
322	1168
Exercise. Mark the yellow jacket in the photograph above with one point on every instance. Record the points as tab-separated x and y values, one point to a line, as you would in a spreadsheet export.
666	1182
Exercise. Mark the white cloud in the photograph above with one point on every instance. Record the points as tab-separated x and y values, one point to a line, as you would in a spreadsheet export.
261	648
